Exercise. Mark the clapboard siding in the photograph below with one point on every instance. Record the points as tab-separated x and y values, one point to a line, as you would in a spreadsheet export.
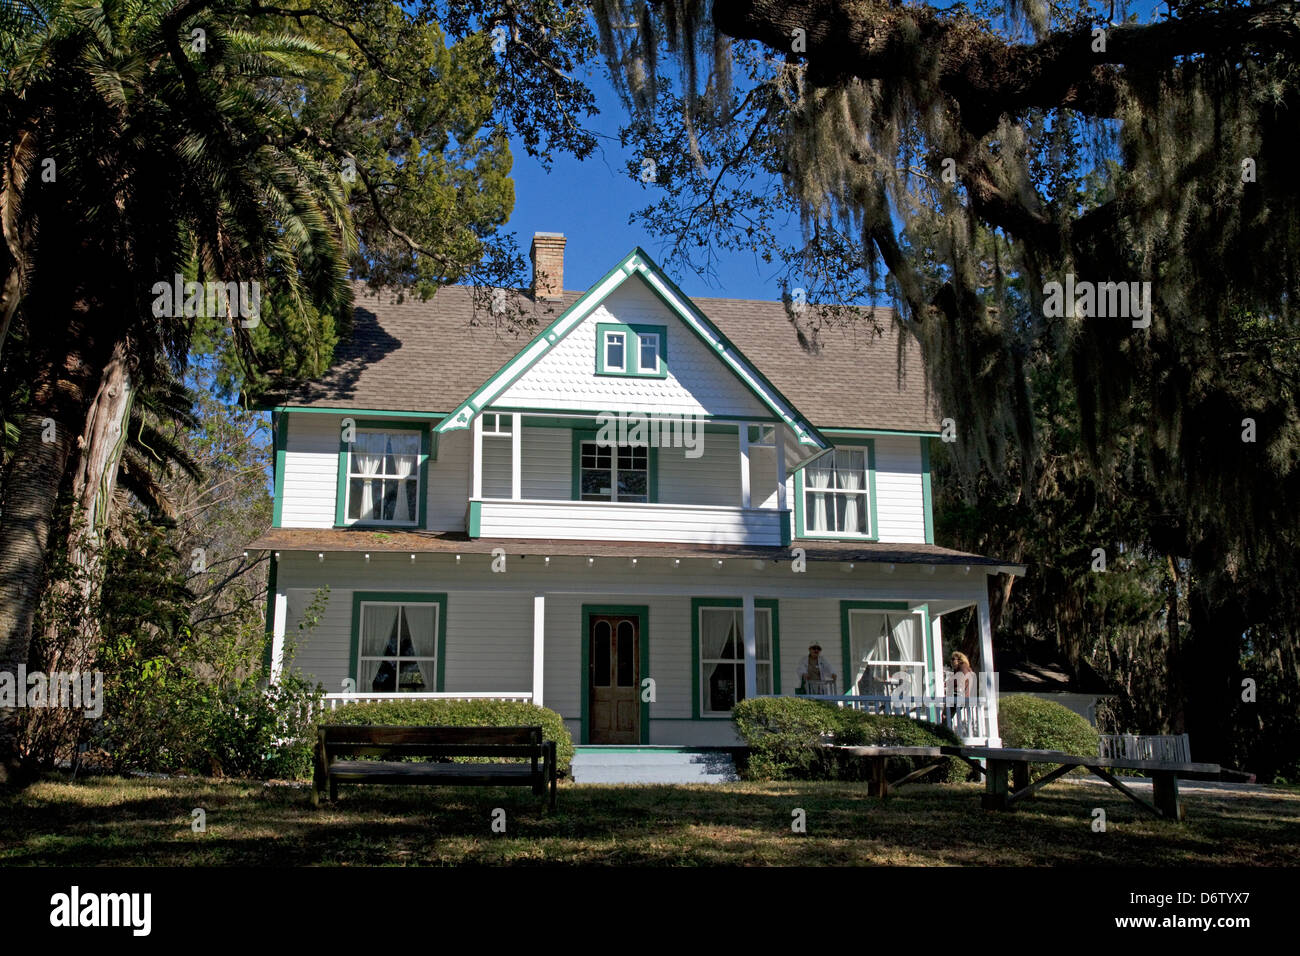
311	475
697	381
900	501
449	482
598	521
900	498
489	646
311	466
496	467
489	639
711	479
548	464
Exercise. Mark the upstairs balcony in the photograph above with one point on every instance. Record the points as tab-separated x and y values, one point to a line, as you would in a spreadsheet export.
628	478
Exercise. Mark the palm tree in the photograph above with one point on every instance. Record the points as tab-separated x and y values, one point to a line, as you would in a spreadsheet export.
135	149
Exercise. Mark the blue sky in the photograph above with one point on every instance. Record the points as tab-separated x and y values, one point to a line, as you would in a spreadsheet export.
590	202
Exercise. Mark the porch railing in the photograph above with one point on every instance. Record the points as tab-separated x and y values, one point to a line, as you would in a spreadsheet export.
967	717
335	701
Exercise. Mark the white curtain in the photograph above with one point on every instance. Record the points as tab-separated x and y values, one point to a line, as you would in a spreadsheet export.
422	620
851	480
405	448
907	647
378	639
818	478
368	459
719	637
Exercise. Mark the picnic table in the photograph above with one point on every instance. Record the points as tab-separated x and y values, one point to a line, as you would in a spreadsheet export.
1007	776
1006	773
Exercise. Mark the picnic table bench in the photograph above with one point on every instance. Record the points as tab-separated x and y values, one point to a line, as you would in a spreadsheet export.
1006	773
1007	776
440	745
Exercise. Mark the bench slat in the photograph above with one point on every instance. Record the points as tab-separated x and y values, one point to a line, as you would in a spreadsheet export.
389	735
430	750
379	771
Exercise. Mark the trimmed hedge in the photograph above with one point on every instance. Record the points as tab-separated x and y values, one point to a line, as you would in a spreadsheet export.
1035	724
458	713
784	735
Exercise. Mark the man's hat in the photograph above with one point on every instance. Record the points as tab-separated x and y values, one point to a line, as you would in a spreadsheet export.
814	647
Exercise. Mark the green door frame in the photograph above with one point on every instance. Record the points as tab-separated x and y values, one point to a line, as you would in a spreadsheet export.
642	613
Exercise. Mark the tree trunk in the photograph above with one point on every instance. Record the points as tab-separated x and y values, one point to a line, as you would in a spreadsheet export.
1212	658
30	495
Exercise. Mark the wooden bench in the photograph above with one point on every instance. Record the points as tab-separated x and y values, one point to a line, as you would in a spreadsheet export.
439	744
1007	776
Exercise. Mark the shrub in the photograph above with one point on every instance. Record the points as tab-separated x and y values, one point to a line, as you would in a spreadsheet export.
457	713
1032	723
784	735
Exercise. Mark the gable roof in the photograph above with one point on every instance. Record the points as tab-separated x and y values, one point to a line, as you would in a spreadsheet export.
428	356
637	263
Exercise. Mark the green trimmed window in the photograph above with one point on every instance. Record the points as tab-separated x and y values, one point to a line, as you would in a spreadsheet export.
382	475
608	472
719	652
835	496
633	350
398	642
887	650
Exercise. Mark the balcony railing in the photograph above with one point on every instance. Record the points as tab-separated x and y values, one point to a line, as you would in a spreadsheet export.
625	521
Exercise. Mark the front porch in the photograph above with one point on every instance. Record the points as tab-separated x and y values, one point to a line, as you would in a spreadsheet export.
651	649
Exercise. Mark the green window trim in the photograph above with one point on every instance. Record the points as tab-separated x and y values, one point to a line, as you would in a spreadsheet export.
341	491
845	643
632	349
770	604
575	484
642	613
873	528
398	597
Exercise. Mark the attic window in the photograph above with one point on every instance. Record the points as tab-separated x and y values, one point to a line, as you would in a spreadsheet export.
631	350
615	351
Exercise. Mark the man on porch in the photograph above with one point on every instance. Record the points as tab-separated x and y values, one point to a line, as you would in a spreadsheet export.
814	673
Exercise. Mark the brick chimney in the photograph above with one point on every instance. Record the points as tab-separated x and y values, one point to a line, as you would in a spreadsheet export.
547	254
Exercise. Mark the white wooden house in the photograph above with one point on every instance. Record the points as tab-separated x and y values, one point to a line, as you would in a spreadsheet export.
485	529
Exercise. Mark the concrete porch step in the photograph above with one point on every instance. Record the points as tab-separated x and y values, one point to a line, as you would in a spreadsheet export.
595	764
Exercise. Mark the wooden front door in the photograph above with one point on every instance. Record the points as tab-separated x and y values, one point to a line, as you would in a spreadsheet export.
614	680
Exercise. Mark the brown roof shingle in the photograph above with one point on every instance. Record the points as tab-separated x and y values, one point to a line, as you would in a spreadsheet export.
430	356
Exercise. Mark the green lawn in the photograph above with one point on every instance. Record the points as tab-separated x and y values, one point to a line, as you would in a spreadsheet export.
135	821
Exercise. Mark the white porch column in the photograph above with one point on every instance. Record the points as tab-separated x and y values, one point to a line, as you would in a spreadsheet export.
278	619
516	455
936	654
539	645
778	441
751	646
988	679
476	458
742	432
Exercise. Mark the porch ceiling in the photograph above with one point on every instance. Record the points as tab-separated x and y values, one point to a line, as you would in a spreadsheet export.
341	539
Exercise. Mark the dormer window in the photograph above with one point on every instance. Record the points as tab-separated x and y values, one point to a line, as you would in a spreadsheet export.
648	355
635	351
615	352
